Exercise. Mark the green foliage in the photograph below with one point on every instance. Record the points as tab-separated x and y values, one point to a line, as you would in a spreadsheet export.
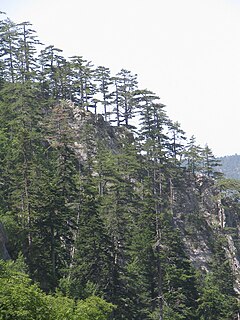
210	163
193	157
60	307
91	264
21	300
214	304
92	210
93	308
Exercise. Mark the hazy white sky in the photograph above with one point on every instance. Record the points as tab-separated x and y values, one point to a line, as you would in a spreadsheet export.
186	51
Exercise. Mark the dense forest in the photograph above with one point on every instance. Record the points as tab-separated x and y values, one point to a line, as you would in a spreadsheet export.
109	210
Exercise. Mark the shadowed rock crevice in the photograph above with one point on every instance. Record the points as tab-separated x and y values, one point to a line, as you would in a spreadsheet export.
3	240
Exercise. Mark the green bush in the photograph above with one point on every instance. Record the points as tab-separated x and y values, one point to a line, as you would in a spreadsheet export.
20	299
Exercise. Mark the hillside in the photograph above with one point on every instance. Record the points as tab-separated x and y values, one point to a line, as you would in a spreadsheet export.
231	166
103	199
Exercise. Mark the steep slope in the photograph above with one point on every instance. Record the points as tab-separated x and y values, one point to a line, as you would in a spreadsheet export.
207	212
120	205
204	210
120	216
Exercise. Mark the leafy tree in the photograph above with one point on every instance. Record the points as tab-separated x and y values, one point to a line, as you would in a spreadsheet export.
92	207
93	308
20	300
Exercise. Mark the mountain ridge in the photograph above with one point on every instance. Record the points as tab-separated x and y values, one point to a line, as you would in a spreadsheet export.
230	166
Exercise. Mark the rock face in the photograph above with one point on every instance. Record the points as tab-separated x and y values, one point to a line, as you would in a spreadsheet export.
202	216
200	212
3	239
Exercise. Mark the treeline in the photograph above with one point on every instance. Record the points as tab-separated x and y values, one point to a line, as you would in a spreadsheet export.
90	203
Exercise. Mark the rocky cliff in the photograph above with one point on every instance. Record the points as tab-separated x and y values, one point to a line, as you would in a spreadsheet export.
203	210
204	213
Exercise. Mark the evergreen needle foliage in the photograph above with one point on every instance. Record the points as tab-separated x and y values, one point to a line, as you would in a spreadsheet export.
94	178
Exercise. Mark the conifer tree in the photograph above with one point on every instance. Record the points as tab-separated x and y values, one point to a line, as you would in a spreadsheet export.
84	87
91	206
210	163
21	113
152	137
52	66
90	271
8	47
218	298
26	52
91	267
60	216
177	139
125	84
116	175
193	157
103	77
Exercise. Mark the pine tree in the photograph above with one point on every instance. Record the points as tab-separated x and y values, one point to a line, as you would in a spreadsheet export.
193	157
20	113
90	271
118	202
26	52
52	74
8	47
210	163
91	206
91	268
176	145
218	298
103	77
83	85
58	217
125	84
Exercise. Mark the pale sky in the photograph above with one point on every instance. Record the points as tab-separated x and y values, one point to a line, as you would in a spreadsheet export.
186	51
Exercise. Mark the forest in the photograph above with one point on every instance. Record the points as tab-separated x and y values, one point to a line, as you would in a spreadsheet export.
103	198
230	166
